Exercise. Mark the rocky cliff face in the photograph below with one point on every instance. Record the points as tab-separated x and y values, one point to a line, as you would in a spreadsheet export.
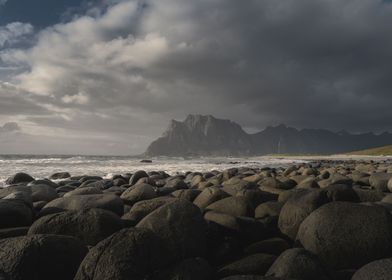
208	136
201	135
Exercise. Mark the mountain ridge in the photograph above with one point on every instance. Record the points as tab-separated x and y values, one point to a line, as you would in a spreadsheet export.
205	135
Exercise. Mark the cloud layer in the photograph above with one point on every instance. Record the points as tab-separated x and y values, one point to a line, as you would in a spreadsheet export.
126	67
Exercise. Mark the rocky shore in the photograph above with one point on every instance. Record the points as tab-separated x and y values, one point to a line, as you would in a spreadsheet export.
319	220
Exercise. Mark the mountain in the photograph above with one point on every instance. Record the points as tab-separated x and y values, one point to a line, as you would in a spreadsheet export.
201	135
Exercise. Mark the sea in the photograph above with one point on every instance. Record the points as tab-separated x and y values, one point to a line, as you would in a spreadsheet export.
42	166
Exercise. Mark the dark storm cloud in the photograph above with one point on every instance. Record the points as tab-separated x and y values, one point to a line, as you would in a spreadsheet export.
127	67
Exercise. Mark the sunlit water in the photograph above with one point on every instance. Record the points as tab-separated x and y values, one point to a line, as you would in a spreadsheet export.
44	166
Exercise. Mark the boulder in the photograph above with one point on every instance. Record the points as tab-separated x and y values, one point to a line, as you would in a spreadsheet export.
13	232
380	180
41	257
234	206
297	263
249	265
235	184
180	225
268	209
297	208
19	178
15	213
89	225
109	202
376	270
189	195
347	235
209	196
84	191
43	193
132	253
142	208
60	175
136	176
137	193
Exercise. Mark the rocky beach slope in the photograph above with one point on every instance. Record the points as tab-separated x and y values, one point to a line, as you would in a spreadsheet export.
326	219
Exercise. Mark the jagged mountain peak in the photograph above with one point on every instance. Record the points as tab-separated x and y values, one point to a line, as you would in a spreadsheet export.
205	135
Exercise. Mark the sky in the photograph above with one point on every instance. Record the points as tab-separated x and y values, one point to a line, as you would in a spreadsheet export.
107	76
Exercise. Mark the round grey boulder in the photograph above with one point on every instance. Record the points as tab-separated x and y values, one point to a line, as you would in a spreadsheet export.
132	253
109	202
14	213
297	263
208	196
19	178
376	270
89	225
297	208
347	235
137	193
41	257
180	225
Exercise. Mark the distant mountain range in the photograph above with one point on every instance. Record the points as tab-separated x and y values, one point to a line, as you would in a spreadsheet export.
200	135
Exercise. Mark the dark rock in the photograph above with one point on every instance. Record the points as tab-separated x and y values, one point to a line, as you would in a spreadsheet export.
180	226
131	253
13	232
253	264
19	178
109	202
136	176
142	208
268	209
209	196
137	193
90	225
60	175
43	193
297	208
43	182
368	195
41	257
189	195
347	235
234	206
84	191
340	192
297	264
14	213
235	184
376	270
380	181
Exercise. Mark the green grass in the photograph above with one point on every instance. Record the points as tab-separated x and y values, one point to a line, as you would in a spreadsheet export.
380	151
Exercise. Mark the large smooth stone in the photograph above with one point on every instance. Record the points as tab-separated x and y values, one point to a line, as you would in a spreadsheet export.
109	202
132	253
297	263
208	196
14	213
19	178
41	257
347	235
180	226
137	193
377	270
234	206
89	225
